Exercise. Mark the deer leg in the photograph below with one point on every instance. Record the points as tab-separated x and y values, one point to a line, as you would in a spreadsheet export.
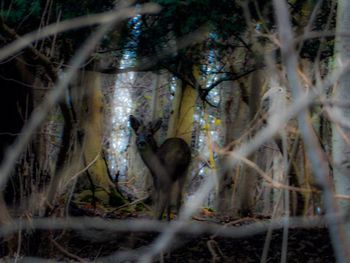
163	201
168	211
181	183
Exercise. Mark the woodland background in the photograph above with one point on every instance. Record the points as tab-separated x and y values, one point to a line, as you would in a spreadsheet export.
259	89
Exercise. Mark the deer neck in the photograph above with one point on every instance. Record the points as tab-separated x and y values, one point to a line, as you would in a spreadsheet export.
154	164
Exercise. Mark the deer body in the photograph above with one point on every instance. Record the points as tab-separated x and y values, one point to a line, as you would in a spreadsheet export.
167	163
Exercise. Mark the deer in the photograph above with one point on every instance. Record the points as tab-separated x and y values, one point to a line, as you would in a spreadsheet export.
167	163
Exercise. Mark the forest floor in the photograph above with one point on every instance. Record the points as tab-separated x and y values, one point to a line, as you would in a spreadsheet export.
304	245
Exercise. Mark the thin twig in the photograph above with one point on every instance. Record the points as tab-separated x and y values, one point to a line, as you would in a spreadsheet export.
313	149
67	253
76	175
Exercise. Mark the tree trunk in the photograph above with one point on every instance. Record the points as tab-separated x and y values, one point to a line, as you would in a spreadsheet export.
232	184
186	110
94	131
175	110
341	149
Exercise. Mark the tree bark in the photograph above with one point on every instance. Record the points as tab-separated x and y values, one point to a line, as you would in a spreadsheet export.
232	191
186	110
341	149
94	130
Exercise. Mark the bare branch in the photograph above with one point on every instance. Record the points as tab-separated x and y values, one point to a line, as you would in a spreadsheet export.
314	152
148	225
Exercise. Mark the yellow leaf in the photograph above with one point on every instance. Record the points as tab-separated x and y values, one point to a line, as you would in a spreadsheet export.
217	122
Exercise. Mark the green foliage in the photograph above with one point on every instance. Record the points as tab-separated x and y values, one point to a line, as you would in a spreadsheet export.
186	16
25	16
311	48
74	8
87	198
139	207
181	18
224	18
115	198
16	10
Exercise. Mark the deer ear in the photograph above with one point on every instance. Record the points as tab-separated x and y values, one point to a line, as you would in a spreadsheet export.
155	125
134	123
